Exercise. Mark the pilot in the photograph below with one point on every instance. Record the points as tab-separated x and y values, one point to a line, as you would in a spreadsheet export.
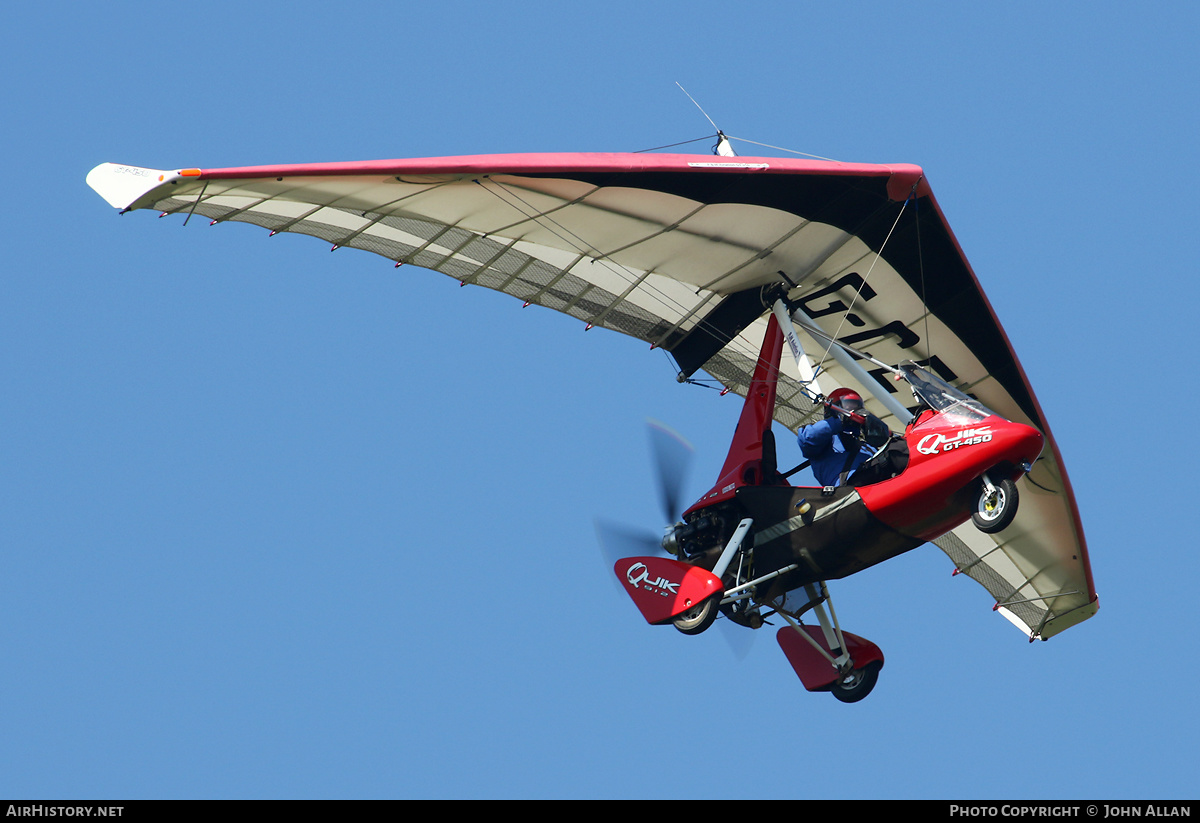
836	446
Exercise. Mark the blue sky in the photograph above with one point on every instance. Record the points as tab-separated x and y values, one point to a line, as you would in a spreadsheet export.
281	523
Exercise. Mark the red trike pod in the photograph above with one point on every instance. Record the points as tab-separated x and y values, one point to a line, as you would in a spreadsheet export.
662	588
814	669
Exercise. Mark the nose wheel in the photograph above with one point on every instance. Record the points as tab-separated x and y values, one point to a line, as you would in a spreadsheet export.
995	507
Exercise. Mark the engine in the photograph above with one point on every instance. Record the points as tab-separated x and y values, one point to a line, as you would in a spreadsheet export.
704	532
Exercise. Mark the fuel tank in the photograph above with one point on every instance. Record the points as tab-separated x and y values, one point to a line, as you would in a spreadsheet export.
828	536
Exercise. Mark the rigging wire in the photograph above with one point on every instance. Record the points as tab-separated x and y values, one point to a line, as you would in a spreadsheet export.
673	145
921	268
617	269
508	194
573	240
581	245
781	148
865	278
702	111
621	272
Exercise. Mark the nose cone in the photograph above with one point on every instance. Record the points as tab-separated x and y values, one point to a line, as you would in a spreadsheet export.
1019	443
1032	442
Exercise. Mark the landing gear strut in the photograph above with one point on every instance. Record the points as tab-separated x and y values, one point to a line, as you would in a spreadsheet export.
701	616
824	657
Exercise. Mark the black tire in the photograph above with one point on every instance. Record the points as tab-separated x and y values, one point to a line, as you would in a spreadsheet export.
856	685
994	513
699	617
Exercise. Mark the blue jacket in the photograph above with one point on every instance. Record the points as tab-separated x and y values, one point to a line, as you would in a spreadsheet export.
819	443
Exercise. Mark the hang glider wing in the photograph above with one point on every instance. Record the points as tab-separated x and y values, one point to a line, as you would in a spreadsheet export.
675	250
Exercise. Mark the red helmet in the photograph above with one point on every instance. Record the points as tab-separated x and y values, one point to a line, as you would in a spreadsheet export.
848	399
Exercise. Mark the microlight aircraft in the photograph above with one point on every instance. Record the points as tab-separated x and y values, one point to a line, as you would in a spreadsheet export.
720	260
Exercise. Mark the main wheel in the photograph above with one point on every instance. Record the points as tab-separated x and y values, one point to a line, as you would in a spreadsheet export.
857	684
994	512
699	617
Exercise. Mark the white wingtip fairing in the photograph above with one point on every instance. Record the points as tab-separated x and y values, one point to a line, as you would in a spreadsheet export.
1016	621
123	186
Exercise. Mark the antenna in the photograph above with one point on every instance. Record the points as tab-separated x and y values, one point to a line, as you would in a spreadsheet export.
722	148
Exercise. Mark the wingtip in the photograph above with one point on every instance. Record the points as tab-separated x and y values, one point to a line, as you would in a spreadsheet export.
122	186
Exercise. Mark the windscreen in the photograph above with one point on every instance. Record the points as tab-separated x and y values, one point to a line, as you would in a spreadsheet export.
956	407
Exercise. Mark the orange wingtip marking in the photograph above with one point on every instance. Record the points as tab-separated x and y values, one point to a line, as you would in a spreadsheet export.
189	172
